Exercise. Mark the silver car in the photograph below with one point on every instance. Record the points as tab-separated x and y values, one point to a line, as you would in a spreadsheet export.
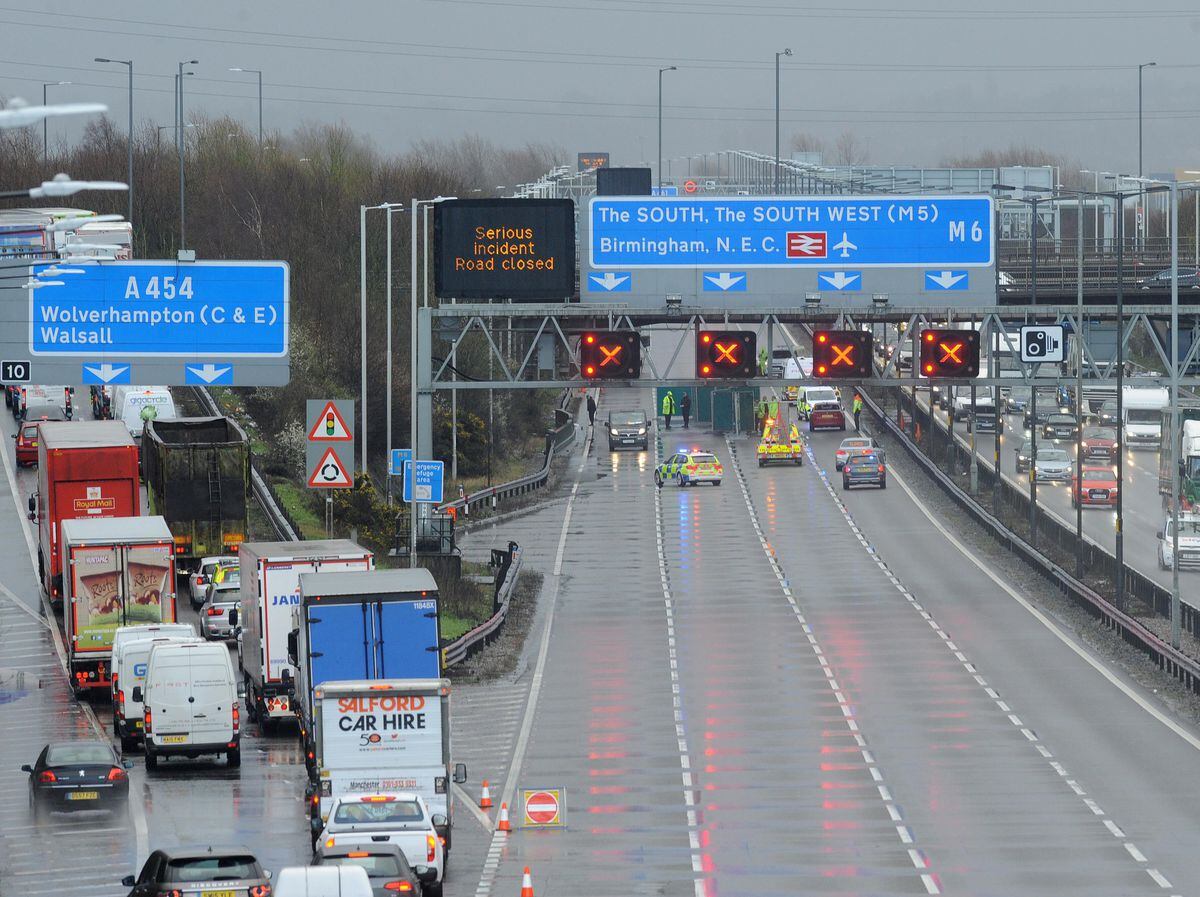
198	582
214	615
1053	465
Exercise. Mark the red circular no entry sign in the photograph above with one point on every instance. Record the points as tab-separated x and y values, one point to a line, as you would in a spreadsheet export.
541	807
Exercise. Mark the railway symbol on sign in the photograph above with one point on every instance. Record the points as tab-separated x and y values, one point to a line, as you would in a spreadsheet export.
543	806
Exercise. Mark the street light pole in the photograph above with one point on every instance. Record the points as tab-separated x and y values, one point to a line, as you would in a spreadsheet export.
669	68
785	52
260	103
1176	447
1144	65
180	141
128	62
45	130
362	295
1119	540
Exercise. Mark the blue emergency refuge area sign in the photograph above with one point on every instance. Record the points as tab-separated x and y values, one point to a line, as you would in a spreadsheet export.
796	231
138	309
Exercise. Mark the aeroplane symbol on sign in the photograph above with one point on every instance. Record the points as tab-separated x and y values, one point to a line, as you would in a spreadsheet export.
845	245
807	244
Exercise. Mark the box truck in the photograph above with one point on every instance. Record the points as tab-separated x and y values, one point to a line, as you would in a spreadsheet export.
270	584
197	472
117	571
379	736
85	469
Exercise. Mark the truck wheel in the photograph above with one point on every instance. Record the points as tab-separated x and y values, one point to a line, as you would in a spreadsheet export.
235	758
251	702
151	760
762	463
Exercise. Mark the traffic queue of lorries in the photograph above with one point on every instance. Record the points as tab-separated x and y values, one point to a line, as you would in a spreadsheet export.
346	656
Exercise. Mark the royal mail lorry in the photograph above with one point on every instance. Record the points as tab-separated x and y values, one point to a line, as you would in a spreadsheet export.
117	571
270	584
383	735
86	469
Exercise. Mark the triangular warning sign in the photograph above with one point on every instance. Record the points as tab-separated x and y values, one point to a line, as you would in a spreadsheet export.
329	426
330	473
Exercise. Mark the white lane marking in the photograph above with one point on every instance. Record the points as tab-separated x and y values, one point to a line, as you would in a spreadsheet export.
475	809
1137	855
488	876
903	832
1159	878
685	759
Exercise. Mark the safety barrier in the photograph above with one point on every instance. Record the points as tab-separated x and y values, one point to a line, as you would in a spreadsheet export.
508	563
1132	631
558	438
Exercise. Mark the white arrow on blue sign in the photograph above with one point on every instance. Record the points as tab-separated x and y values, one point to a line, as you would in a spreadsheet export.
430	481
105	373
610	282
725	281
841	280
946	280
208	374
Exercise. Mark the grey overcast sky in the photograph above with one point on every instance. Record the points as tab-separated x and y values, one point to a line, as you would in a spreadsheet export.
916	80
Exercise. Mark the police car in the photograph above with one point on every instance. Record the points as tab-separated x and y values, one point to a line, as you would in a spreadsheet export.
688	468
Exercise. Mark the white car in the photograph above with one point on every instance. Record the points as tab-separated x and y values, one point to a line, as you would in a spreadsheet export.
1053	465
198	581
1189	543
397	817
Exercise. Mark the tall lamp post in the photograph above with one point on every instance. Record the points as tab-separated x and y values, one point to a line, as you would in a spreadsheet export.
259	73
128	62
46	132
179	142
1141	67
785	52
669	68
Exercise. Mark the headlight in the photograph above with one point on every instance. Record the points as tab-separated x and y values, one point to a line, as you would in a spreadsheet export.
641	431
613	432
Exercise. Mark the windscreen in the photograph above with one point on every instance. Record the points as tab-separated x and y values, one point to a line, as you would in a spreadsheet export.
392	812
376	865
704	459
1097	476
1099	433
229	868
1052	455
627	418
69	754
1142	416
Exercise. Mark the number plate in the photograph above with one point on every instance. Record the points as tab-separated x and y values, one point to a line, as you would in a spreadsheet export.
83	795
172	739
218	893
137	723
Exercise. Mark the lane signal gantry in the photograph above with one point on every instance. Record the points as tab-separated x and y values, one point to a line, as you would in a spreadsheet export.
842	354
610	355
725	354
949	353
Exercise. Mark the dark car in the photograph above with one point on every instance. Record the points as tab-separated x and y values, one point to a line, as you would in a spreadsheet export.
77	775
385	865
628	428
1050	400
1107	416
864	470
1016	399
1024	455
194	871
1100	442
1189	278
1059	426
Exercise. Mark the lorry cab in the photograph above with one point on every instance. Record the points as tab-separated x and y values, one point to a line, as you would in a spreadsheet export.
190	703
1141	415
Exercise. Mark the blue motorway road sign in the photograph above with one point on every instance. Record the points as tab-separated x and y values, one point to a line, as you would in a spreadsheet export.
430	478
397	461
947	280
665	190
788	232
725	281
198	310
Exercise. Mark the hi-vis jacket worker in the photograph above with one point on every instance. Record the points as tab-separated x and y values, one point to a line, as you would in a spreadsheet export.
764	362
668	407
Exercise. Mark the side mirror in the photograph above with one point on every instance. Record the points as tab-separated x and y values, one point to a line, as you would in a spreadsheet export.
127	881
293	646
267	873
127	764
25	767
460	773
137	694
233	617
439	821
32	504
1160	535
425	875
14	435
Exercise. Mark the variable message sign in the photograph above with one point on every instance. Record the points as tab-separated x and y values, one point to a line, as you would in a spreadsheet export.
505	249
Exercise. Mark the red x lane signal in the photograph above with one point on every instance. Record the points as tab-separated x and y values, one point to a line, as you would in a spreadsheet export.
611	355
725	354
949	353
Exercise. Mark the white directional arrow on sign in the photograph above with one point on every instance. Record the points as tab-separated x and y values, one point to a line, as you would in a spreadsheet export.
839	280
208	372
724	280
946	279
609	281
107	372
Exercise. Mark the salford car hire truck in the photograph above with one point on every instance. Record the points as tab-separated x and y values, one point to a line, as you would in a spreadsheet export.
197	472
270	582
86	469
117	571
383	735
377	625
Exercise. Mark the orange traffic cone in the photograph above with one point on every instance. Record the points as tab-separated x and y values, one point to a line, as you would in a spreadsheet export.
526	884
502	825
485	798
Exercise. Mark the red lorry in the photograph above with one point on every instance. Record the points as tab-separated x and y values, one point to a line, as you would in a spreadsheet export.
85	470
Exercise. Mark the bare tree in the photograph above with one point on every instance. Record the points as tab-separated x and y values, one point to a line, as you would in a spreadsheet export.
849	149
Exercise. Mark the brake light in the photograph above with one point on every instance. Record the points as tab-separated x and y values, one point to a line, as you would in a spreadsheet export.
881	468
358	854
329	842
316	800
116	774
403	886
430	848
199	580
46	777
120	708
720	469
146	718
237	718
377	799
260	891
174	892
214	611
690	468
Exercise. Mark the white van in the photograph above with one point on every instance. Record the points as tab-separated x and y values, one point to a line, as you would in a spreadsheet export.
191	706
323	881
133	405
810	395
129	662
